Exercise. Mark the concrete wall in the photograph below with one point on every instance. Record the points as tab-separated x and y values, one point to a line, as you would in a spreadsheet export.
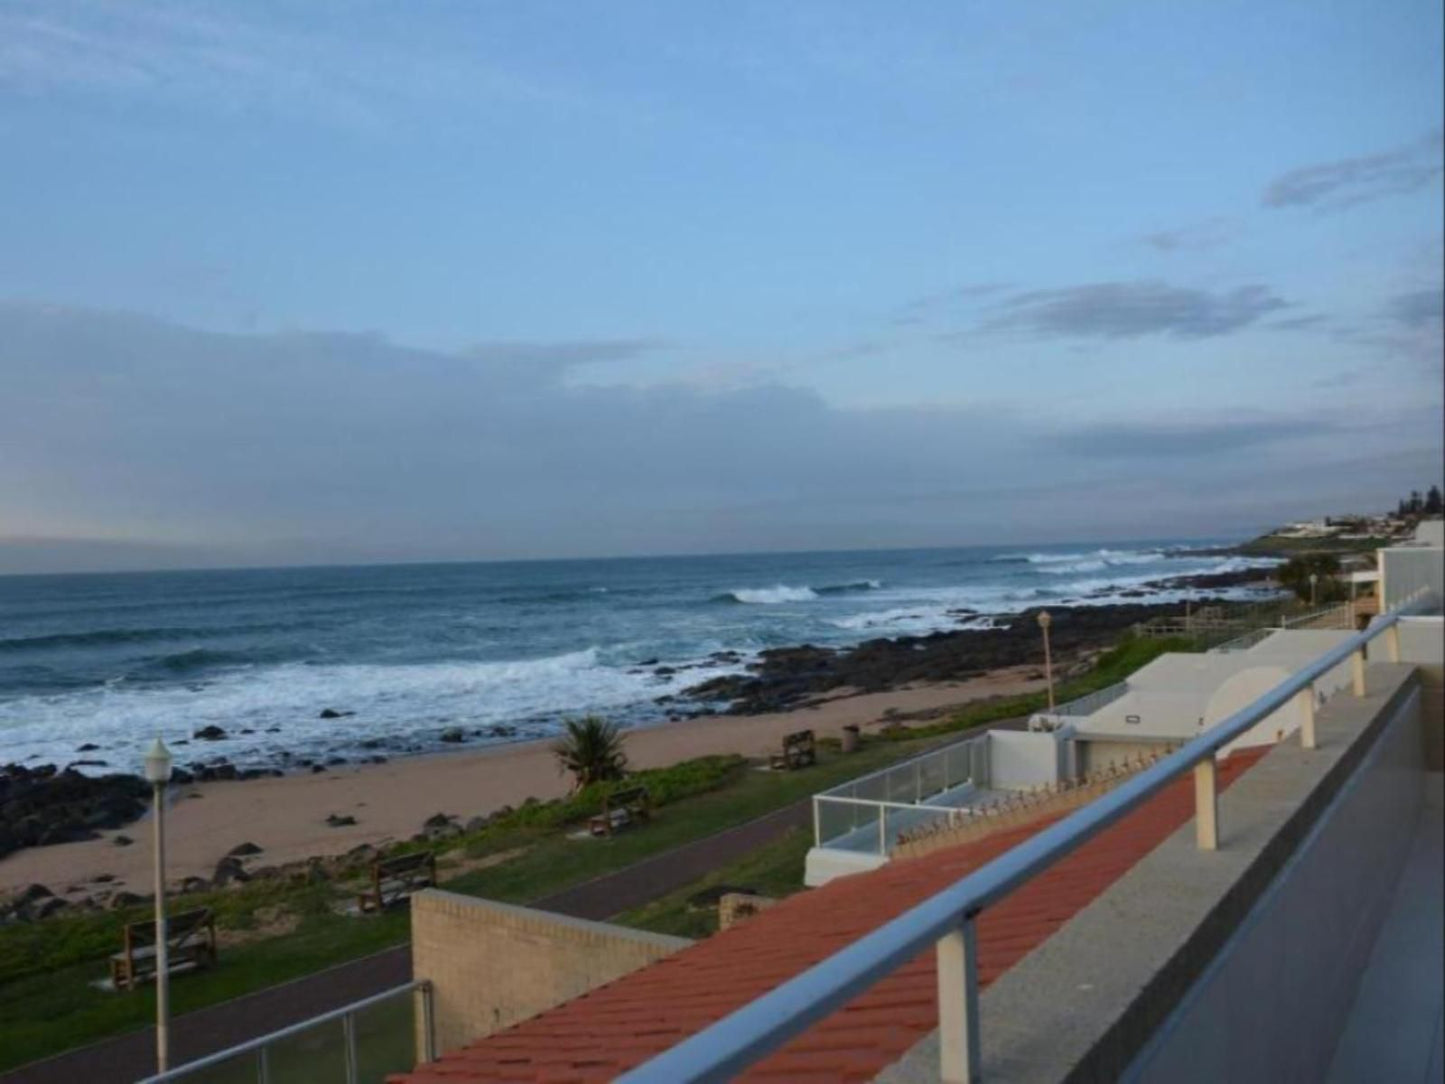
1271	1005
493	964
1404	570
1020	758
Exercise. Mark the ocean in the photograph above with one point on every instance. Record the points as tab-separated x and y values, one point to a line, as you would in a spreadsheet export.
505	651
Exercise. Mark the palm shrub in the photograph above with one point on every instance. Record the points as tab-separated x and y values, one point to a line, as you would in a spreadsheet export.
591	749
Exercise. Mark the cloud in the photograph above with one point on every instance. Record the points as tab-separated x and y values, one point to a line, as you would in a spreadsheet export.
132	442
1126	310
919	309
1184	438
236	59
1418	309
1349	181
1298	323
1195	238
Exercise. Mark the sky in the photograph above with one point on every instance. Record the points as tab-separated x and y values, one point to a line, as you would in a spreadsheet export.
326	282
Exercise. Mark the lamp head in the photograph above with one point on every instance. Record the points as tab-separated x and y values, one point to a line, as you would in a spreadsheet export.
158	762
1044	619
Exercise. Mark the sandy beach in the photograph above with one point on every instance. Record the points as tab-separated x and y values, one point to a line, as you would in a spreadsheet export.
286	816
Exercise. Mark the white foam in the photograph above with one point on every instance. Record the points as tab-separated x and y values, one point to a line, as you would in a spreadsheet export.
390	702
772	596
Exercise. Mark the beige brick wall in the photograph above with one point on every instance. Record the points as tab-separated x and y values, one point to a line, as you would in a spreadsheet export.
493	964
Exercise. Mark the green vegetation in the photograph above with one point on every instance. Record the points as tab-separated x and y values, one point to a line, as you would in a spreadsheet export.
591	749
282	928
1295	574
1274	546
773	870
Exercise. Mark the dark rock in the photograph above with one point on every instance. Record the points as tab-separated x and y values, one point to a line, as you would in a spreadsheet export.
317	769
332	713
30	895
437	820
476	824
122	840
453	734
88	747
46	908
210	733
40	806
126	899
783	678
243	850
195	884
340	820
228	870
182	778
103	878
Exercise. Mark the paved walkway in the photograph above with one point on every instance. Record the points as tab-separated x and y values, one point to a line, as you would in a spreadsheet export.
131	1057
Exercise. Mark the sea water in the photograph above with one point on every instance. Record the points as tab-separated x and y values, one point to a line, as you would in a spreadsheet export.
505	651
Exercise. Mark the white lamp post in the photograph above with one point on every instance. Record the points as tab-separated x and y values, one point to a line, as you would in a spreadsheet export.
1314	583
1044	622
158	772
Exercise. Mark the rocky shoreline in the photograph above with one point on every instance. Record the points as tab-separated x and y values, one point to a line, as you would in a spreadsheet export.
785	678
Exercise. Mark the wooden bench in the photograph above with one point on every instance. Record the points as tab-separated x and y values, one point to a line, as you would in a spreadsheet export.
190	944
799	750
393	880
621	808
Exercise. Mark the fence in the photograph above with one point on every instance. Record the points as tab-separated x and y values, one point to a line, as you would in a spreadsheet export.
948	919
360	1043
868	813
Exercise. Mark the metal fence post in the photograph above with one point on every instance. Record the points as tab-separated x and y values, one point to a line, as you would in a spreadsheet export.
263	1065
348	1032
1206	804
1357	670
883	830
1306	700
958	1035
817	824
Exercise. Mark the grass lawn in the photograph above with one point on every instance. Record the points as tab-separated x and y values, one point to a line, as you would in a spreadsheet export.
48	1005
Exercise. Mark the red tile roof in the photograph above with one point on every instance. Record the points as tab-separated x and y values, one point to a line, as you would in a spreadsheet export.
620	1025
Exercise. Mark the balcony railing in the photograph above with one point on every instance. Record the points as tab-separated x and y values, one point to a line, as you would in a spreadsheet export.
948	919
360	1043
868	813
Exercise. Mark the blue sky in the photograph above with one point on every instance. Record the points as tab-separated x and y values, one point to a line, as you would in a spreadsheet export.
1083	227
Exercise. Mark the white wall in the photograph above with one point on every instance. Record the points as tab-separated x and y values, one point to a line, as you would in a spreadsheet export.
1021	758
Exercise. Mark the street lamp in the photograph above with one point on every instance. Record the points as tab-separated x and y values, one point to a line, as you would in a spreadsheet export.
1314	583
1044	622
158	772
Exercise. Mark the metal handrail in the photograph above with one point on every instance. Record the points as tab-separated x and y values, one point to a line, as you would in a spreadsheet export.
181	1072
720	1051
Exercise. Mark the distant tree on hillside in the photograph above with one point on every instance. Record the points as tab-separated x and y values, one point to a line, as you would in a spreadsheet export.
1434	505
1295	575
